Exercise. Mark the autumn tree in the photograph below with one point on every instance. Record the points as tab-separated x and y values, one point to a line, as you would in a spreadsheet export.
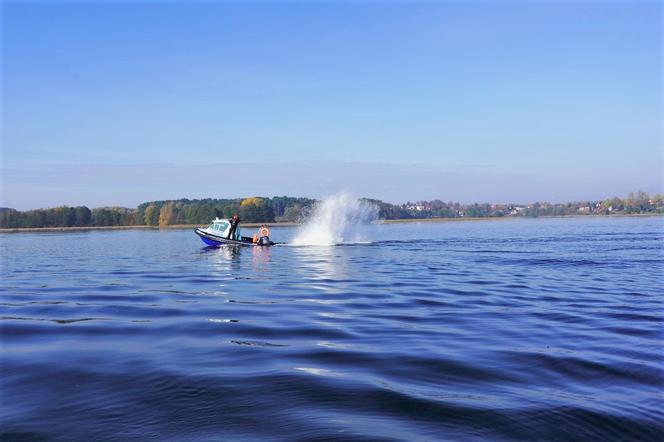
151	216
168	214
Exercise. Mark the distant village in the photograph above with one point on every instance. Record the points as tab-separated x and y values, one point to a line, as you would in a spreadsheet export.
635	203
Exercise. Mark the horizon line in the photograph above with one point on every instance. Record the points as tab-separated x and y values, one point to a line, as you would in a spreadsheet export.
416	201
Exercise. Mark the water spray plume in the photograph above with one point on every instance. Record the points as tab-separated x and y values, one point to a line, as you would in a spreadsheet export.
336	220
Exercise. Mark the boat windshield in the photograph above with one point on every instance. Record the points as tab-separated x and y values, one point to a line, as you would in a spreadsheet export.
218	226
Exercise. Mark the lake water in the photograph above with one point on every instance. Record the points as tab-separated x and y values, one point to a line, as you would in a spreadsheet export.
546	329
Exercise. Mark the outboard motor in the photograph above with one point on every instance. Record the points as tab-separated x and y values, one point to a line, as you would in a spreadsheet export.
264	241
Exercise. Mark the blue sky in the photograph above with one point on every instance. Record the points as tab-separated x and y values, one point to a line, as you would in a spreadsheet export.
118	103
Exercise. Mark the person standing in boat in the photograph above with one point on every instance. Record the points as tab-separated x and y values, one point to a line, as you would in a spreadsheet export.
235	220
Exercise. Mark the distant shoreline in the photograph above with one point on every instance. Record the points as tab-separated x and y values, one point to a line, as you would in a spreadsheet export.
497	218
174	226
292	224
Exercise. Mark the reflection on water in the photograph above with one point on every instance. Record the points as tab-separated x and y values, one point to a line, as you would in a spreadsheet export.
222	257
226	257
317	263
261	258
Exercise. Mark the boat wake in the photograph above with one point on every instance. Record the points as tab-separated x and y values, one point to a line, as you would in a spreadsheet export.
338	219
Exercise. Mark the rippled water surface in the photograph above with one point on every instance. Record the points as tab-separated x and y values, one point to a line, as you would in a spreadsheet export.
514	329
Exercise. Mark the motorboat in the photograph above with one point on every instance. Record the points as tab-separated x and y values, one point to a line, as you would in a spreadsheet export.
216	234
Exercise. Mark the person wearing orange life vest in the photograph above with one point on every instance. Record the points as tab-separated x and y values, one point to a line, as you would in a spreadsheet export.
263	236
263	232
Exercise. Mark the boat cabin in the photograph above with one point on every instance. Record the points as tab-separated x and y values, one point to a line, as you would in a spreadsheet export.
219	227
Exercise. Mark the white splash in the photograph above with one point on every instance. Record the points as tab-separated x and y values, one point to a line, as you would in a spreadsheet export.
336	220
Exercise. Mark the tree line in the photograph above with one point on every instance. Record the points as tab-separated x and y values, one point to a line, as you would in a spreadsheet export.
290	209
162	213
